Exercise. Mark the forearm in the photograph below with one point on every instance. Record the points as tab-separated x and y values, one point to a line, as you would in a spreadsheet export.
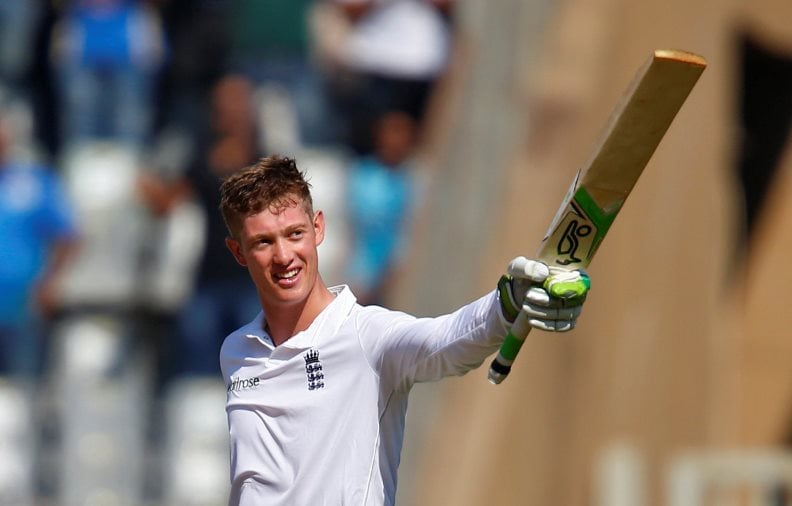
453	344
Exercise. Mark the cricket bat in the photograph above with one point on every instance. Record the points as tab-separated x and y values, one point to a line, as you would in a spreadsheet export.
600	188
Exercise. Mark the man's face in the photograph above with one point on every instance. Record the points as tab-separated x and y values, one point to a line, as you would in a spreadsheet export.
280	251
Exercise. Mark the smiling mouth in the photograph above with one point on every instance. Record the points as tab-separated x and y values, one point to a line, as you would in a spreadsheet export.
287	275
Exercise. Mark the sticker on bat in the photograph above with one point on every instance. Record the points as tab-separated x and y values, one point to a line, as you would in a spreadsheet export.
574	237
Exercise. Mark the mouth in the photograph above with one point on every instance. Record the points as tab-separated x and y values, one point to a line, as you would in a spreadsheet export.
286	278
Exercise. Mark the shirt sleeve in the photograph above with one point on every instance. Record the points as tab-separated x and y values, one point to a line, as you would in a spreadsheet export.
404	349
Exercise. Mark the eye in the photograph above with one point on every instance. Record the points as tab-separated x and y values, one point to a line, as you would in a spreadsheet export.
296	234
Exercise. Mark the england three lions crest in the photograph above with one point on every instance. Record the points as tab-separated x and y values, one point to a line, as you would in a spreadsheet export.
313	370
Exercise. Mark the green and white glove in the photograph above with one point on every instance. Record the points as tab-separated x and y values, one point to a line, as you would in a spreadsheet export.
551	297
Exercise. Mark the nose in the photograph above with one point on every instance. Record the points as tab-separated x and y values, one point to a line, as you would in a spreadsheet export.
283	254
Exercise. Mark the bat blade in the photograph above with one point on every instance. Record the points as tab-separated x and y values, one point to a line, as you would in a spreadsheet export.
601	186
635	129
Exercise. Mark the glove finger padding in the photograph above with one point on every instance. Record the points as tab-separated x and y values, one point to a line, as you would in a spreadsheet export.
556	306
543	306
525	269
550	313
552	325
538	296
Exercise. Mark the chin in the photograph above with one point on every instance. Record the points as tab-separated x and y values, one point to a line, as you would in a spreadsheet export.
294	295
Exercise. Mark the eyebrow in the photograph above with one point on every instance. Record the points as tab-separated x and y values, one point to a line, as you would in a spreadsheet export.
296	226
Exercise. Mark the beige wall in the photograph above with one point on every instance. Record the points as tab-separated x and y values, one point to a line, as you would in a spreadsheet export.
673	352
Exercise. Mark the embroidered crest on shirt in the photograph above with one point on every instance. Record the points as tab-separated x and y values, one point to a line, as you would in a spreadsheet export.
313	370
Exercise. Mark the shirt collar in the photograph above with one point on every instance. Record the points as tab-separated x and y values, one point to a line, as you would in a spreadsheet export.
326	323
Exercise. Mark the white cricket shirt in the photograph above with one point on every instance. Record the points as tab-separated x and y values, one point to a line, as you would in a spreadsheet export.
319	420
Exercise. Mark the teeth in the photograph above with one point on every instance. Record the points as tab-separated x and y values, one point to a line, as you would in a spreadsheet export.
289	274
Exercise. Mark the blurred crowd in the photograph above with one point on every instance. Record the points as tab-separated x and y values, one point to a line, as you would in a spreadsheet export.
118	119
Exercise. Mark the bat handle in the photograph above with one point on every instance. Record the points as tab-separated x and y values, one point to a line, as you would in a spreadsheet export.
501	365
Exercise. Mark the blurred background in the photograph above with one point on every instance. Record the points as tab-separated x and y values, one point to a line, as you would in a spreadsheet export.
421	124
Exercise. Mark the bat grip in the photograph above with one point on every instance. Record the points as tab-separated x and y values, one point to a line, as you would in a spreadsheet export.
501	365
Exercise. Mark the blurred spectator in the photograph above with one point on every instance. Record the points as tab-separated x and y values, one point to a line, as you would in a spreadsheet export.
18	20
389	58
39	234
106	54
272	46
223	298
381	196
199	41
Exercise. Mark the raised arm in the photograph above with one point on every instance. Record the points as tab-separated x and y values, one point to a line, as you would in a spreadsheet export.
405	349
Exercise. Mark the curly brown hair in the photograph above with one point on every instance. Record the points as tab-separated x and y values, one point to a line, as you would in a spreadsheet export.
274	182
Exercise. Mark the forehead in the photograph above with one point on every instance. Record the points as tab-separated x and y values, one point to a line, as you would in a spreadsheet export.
271	220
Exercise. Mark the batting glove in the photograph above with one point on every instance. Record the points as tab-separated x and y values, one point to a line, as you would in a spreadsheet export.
551	297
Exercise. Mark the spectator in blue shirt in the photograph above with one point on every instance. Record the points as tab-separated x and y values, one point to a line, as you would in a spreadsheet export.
381	199
107	54
38	236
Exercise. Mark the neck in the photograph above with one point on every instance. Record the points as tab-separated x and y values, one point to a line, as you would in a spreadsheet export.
283	322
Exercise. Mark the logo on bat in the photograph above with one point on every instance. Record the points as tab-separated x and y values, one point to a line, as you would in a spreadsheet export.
573	237
570	242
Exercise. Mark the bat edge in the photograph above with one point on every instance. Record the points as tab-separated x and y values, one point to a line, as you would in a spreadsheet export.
681	56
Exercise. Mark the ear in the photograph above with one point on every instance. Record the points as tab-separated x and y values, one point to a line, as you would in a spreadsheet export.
236	249
319	226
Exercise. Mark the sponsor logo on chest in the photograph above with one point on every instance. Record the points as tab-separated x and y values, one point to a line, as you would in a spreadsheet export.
238	384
